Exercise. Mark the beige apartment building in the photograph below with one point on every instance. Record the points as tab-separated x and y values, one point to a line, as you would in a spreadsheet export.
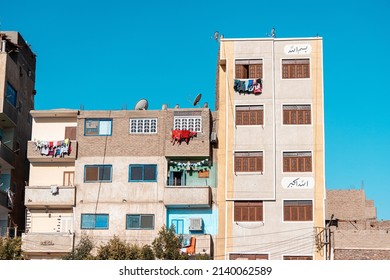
129	172
51	193
270	148
17	91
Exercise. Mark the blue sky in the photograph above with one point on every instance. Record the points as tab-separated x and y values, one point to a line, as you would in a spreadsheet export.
109	54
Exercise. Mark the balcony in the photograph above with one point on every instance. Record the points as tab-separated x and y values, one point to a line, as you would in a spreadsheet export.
3	199
50	196
47	242
203	244
7	156
34	154
187	196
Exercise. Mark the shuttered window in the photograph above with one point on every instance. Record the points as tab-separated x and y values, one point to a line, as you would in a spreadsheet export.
70	132
248	161
296	114
250	115
248	257
249	69
297	162
295	68
248	211
293	258
298	210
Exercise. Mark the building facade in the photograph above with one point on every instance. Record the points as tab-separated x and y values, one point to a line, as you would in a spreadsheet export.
132	172
17	91
270	148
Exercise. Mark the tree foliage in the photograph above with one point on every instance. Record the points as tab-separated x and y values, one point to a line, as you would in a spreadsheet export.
11	249
167	245
82	251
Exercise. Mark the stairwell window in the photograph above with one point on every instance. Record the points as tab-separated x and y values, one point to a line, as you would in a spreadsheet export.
249	68
94	221
188	123
143	126
143	173
297	210
248	211
142	221
295	68
296	114
11	94
297	162
98	173
98	127
250	115
248	161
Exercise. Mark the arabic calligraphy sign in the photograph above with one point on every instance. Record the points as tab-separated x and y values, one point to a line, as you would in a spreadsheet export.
297	49
298	183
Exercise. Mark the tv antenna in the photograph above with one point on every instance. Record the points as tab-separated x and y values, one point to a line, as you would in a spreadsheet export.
197	99
142	104
273	33
217	36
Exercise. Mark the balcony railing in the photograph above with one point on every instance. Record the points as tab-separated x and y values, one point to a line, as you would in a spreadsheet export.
47	242
187	196
7	154
51	196
203	244
34	154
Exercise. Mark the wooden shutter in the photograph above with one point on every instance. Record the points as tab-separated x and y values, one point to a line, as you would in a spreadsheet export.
70	132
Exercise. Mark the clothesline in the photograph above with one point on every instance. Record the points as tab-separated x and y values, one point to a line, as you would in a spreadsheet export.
53	148
251	86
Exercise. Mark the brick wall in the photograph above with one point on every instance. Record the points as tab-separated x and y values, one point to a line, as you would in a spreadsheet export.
359	254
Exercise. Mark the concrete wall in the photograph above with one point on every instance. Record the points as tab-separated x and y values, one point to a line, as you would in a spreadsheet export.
273	236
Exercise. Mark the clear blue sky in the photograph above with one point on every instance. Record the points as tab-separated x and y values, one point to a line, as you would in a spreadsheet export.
109	54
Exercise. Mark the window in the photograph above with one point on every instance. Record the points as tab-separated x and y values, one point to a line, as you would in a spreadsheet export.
142	172
188	123
248	211
295	68
249	69
70	132
11	94
296	114
292	258
98	127
97	173
140	221
248	162
249	115
94	221
248	257
297	162
144	126
298	210
68	178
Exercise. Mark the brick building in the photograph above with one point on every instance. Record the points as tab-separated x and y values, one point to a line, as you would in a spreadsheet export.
130	179
356	234
17	91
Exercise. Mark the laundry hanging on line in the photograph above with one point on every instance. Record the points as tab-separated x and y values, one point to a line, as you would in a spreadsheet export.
252	86
54	148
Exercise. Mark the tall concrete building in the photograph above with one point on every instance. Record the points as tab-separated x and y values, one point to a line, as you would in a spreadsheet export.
127	174
270	148
17	83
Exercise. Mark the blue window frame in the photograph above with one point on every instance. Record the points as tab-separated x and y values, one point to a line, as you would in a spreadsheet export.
143	173
11	94
179	225
140	221
98	173
98	127
94	221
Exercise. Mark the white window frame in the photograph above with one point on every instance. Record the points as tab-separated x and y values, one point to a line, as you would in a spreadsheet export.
140	126
183	123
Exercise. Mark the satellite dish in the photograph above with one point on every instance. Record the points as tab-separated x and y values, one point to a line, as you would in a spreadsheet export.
197	99
141	105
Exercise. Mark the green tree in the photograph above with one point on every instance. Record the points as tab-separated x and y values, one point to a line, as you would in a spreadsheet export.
82	251
167	245
11	249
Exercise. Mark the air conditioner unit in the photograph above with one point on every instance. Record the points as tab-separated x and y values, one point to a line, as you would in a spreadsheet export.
213	137
196	224
54	189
